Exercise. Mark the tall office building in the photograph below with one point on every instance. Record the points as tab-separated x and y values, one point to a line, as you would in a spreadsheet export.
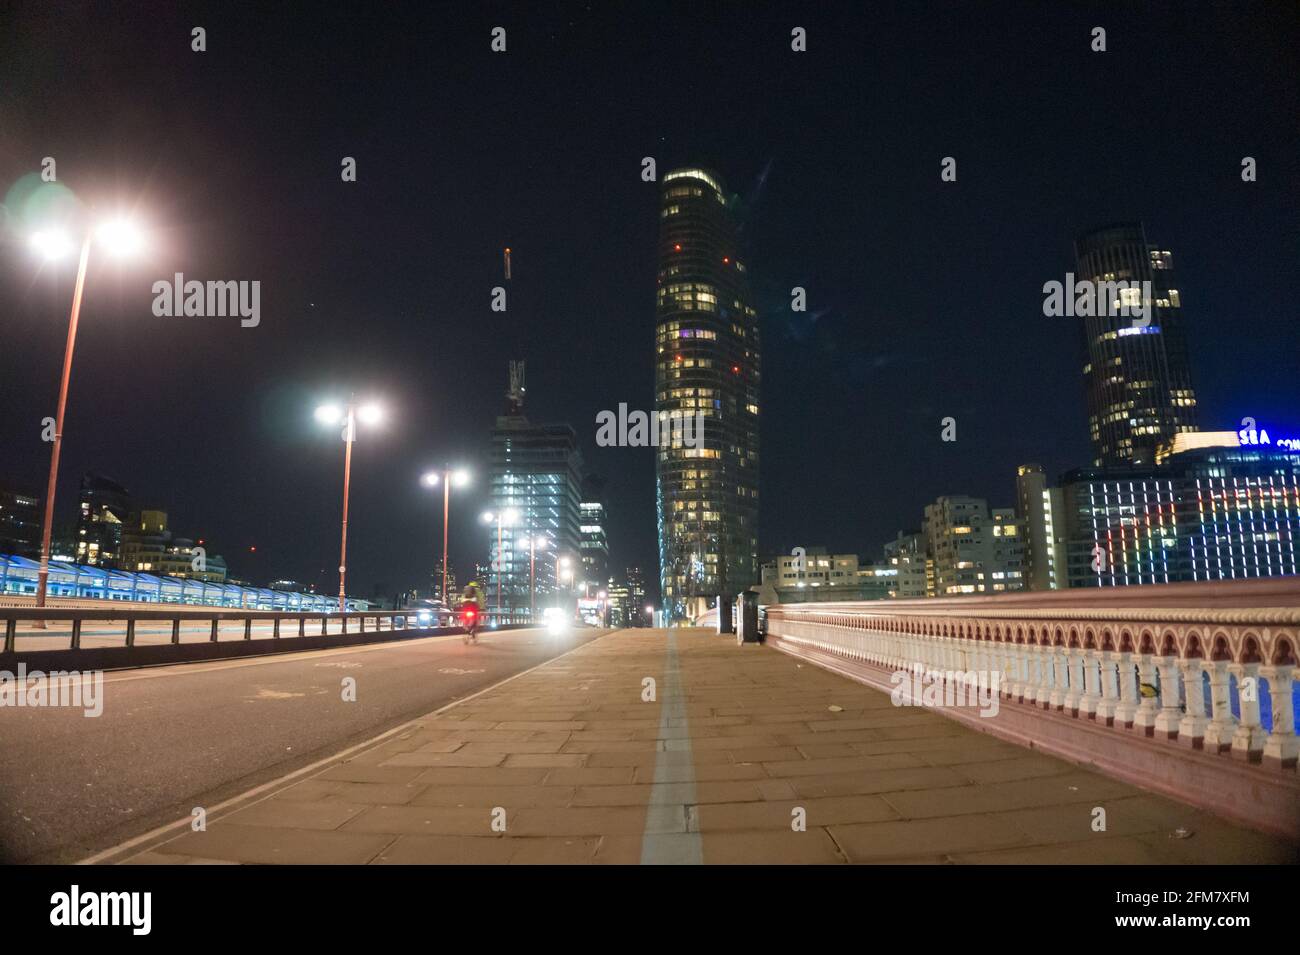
20	523
636	593
976	549
707	364
1137	377
907	553
104	506
536	479
148	545
1041	509
593	547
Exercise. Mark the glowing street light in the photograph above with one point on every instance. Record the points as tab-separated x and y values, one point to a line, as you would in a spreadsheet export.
121	236
327	414
447	478
52	244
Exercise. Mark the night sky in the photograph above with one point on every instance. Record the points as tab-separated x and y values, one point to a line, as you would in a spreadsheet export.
925	298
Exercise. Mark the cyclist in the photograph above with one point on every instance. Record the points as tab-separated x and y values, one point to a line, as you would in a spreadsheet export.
471	610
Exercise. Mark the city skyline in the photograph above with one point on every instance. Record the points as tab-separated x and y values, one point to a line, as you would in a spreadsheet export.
219	425
674	433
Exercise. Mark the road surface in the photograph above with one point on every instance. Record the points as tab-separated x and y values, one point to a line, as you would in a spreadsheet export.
176	737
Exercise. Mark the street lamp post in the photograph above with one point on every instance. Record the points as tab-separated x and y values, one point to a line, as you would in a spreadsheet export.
431	480
561	566
124	239
331	414
502	518
533	544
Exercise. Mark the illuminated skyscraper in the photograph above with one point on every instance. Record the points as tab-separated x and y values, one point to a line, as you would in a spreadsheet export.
1137	377
707	364
536	479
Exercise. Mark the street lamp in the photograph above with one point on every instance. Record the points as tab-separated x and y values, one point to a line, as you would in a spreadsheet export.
370	414
123	238
504	518
561	571
534	545
447	478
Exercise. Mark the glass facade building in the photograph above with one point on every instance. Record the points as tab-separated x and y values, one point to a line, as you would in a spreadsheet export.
1137	377
1207	514
536	476
706	365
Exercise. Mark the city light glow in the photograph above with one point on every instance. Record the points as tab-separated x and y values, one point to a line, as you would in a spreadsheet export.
51	244
329	414
121	237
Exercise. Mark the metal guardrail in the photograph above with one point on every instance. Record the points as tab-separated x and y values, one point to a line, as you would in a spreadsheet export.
309	623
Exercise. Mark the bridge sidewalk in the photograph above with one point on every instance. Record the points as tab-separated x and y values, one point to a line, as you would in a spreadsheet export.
575	768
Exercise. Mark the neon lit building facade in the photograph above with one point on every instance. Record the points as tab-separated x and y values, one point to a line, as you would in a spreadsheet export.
706	363
1206	514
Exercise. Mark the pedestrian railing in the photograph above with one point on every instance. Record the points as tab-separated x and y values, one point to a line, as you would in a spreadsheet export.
1184	662
23	622
1186	689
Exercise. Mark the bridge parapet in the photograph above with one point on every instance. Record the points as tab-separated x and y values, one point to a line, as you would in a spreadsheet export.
1160	685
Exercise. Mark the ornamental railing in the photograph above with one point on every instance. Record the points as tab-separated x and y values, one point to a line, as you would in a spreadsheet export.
1209	666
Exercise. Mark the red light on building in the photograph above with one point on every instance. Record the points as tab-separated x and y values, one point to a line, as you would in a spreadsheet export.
726	260
677	248
735	369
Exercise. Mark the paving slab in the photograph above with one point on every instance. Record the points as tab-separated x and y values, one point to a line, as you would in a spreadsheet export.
746	755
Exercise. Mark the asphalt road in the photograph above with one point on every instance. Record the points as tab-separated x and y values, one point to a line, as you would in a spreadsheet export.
172	738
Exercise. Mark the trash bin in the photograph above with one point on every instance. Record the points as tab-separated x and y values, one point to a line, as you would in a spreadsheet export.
725	622
747	630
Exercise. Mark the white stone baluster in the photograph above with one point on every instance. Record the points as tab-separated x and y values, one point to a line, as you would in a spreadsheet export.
1090	702
1108	670
1016	689
1248	739
1281	747
1126	674
1046	674
1073	692
1144	720
1223	725
1060	677
1171	713
1191	728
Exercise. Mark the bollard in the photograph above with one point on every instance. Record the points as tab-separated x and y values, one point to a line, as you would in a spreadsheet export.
747	631
726	624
